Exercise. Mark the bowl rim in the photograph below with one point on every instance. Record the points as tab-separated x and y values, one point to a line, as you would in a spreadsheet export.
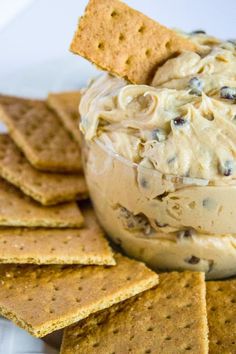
168	177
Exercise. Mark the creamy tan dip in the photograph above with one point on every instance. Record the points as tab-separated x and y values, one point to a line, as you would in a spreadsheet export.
161	160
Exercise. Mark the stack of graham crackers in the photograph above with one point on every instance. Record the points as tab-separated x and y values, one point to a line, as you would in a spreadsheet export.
59	269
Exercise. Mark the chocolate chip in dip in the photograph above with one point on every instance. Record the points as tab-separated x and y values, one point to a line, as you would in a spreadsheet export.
228	93
227	168
196	86
173	161
179	121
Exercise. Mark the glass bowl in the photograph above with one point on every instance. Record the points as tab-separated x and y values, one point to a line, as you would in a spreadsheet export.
169	222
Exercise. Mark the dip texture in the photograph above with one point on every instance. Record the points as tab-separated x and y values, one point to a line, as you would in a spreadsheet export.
160	160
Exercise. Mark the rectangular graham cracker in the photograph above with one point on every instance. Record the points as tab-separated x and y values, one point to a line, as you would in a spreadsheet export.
66	105
42	299
125	42
221	309
16	209
57	246
170	318
39	133
45	187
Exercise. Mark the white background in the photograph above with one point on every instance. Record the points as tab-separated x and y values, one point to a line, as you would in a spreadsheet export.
34	59
34	54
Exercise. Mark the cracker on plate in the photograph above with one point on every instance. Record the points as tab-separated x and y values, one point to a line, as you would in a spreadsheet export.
170	318
221	309
17	209
66	105
57	246
42	299
39	133
45	187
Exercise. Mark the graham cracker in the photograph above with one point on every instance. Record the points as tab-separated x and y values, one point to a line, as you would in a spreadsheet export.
47	188
125	42
39	133
42	299
66	105
221	309
16	209
57	246
170	318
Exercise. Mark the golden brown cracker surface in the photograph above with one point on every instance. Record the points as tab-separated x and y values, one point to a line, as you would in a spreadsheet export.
124	41
45	187
170	318
66	105
39	133
42	299
16	209
221	309
57	246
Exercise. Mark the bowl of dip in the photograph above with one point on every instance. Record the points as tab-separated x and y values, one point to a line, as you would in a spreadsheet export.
160	160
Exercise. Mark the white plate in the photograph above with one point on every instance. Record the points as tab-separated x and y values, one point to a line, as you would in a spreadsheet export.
14	340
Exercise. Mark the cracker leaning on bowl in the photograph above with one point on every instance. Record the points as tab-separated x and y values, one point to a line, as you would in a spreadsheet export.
42	299
125	42
86	245
39	133
47	188
170	318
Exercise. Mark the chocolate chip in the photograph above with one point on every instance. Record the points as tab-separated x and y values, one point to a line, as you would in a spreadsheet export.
171	160
184	234
192	260
228	93
159	224
227	168
144	183
205	202
187	233
198	31
196	86
210	265
228	172
162	196
209	203
134	222
179	121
